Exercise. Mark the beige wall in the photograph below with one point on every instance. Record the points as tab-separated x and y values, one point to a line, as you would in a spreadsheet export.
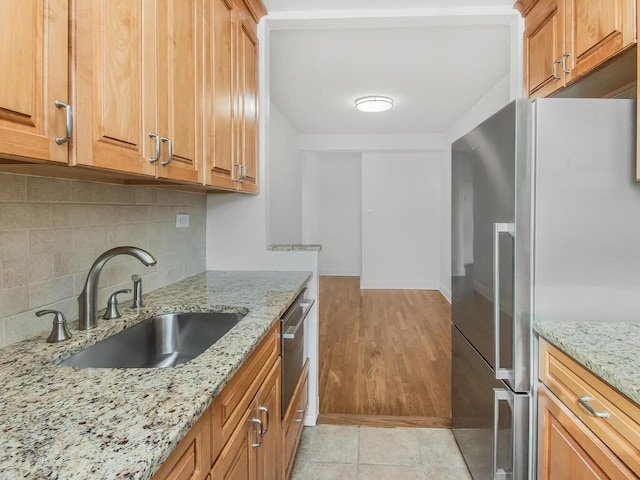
52	230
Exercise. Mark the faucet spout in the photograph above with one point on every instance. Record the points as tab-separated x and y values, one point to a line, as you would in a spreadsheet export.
88	298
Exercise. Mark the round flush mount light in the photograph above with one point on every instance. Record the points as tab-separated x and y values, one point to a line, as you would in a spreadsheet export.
374	104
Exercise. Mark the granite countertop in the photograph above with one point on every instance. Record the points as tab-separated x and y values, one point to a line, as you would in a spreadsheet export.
65	423
611	350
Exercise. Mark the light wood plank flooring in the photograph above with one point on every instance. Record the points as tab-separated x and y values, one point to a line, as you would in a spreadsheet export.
384	354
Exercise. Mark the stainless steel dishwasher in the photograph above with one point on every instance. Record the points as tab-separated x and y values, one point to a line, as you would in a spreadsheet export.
293	342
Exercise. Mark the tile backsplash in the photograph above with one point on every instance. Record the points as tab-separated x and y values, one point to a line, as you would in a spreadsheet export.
51	231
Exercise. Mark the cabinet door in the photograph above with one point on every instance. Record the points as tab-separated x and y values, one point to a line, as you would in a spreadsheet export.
595	31
191	459
247	99
220	74
34	66
237	461
115	85
180	88
269	462
567	449
543	48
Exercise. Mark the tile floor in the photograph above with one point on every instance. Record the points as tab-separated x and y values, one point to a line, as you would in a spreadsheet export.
330	452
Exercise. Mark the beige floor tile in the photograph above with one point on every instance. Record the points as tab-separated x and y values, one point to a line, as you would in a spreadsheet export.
324	471
390	472
444	473
439	448
329	443
389	446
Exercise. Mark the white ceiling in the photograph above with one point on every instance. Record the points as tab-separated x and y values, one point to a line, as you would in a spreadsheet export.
434	74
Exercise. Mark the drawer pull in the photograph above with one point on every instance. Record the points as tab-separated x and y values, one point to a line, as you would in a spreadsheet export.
584	401
259	432
264	410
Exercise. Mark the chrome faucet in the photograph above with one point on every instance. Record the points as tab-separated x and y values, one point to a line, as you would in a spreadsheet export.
88	298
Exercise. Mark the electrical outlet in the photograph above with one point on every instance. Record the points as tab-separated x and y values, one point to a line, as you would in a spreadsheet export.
182	220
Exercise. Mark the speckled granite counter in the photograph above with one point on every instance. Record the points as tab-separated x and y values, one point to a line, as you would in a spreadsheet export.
64	423
295	247
611	350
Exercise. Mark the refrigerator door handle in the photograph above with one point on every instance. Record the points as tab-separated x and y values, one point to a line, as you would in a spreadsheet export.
498	228
518	431
499	395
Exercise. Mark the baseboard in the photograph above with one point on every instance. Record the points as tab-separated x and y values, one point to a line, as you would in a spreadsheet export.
445	291
398	285
382	421
338	273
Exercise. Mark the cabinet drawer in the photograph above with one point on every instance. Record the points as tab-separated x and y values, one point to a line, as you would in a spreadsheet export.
568	449
571	382
293	420
192	457
233	401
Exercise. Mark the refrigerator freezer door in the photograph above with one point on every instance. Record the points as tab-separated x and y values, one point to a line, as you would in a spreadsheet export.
489	421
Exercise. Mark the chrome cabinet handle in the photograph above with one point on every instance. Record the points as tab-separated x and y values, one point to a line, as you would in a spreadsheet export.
243	173
299	420
233	172
584	401
259	423
555	73
264	410
498	228
69	121
158	148
170	156
564	62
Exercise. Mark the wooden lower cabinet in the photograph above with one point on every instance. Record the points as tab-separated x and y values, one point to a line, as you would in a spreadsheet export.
293	420
252	452
586	428
192	457
240	436
567	449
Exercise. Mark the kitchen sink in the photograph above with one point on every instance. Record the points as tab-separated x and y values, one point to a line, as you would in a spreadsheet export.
158	342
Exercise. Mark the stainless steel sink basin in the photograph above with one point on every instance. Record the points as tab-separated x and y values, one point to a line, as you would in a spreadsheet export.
161	341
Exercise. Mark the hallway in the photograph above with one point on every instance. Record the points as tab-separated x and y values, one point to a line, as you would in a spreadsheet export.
384	354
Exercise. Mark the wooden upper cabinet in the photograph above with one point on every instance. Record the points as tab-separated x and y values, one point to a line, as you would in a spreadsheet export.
595	31
231	131
220	75
180	88
247	101
34	66
140	87
543	45
115	85
566	39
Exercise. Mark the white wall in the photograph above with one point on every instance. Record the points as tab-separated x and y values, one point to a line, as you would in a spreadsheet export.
332	210
401	220
285	181
493	101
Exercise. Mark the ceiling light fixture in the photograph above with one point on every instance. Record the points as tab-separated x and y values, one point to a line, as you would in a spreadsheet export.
374	104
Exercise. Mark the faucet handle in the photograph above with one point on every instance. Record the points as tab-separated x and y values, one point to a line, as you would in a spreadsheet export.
60	332
112	305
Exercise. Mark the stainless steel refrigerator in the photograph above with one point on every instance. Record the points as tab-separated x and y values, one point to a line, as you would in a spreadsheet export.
546	225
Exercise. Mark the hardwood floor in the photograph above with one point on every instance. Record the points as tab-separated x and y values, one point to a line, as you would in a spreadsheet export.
383	354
